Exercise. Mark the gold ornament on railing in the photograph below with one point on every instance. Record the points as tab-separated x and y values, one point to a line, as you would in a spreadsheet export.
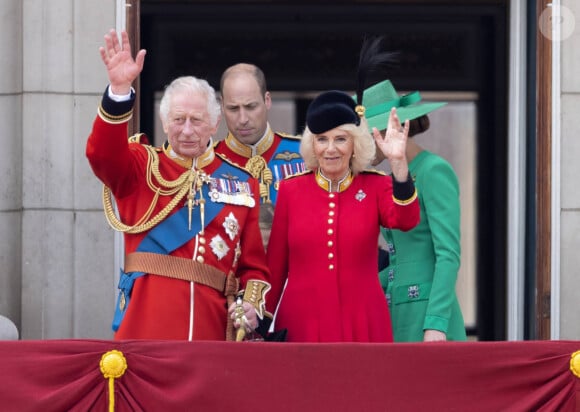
113	365
575	363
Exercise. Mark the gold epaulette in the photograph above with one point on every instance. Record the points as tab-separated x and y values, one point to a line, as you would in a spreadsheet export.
288	136
374	171
136	138
298	174
228	160
176	189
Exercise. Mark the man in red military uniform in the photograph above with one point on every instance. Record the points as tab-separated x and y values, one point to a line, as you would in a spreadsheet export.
269	156
192	239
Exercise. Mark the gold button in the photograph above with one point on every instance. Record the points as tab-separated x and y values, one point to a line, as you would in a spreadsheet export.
202	240
330	255
332	205
201	249
331	195
330	243
330	231
200	259
330	221
331	213
330	267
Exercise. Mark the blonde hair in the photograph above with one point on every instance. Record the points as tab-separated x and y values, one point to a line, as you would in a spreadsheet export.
364	147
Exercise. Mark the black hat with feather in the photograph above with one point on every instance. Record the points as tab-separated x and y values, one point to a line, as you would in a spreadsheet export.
334	108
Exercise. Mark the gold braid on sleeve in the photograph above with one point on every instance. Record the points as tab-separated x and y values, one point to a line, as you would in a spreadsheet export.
255	294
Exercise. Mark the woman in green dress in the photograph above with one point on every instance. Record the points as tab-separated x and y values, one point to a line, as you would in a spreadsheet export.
420	280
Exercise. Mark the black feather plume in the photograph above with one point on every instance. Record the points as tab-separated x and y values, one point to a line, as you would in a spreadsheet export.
370	59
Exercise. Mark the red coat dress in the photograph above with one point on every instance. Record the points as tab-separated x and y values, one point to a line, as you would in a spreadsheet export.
324	244
161	307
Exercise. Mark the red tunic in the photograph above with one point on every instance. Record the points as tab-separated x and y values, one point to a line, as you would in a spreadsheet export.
268	148
160	307
325	245
281	154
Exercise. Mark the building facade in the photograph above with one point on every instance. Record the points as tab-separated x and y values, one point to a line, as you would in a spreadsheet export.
58	258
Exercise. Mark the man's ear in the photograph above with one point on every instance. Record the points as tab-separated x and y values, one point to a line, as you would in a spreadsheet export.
217	125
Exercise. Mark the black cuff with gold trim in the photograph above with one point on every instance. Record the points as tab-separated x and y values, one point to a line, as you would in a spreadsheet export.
116	112
404	192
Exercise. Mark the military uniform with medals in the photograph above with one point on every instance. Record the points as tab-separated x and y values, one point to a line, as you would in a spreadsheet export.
273	158
192	239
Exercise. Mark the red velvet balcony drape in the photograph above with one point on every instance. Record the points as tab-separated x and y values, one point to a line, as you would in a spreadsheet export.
64	375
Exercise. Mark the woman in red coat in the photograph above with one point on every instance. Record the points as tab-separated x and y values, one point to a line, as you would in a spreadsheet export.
323	244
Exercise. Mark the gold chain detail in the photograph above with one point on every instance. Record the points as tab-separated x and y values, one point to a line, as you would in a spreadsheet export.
179	187
255	165
153	170
258	168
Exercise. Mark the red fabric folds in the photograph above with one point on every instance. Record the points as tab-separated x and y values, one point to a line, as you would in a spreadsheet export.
64	375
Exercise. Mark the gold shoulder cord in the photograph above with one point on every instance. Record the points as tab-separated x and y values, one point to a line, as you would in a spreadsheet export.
258	168
178	187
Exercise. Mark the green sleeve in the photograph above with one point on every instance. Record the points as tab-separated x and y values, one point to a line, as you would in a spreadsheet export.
439	192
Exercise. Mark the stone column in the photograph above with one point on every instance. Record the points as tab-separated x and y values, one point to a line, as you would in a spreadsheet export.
10	157
67	250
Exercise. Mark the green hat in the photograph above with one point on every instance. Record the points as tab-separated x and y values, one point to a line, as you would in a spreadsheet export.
381	97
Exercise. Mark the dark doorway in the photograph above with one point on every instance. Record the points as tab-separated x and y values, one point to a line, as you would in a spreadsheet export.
310	47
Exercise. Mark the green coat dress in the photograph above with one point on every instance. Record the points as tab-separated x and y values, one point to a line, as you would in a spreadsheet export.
419	282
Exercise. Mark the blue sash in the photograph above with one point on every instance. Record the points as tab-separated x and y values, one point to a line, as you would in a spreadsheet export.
170	234
285	162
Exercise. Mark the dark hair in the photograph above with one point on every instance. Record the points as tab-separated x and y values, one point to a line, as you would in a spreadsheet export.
418	125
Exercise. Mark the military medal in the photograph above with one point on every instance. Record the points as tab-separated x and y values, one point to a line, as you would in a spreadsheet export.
219	247
231	191
231	226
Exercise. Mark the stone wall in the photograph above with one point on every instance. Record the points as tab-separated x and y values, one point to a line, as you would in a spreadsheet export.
569	171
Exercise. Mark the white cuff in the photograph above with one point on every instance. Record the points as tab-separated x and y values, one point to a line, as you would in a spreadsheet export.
119	97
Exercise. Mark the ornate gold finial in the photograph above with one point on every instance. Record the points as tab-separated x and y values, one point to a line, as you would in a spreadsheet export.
575	363
113	365
360	110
